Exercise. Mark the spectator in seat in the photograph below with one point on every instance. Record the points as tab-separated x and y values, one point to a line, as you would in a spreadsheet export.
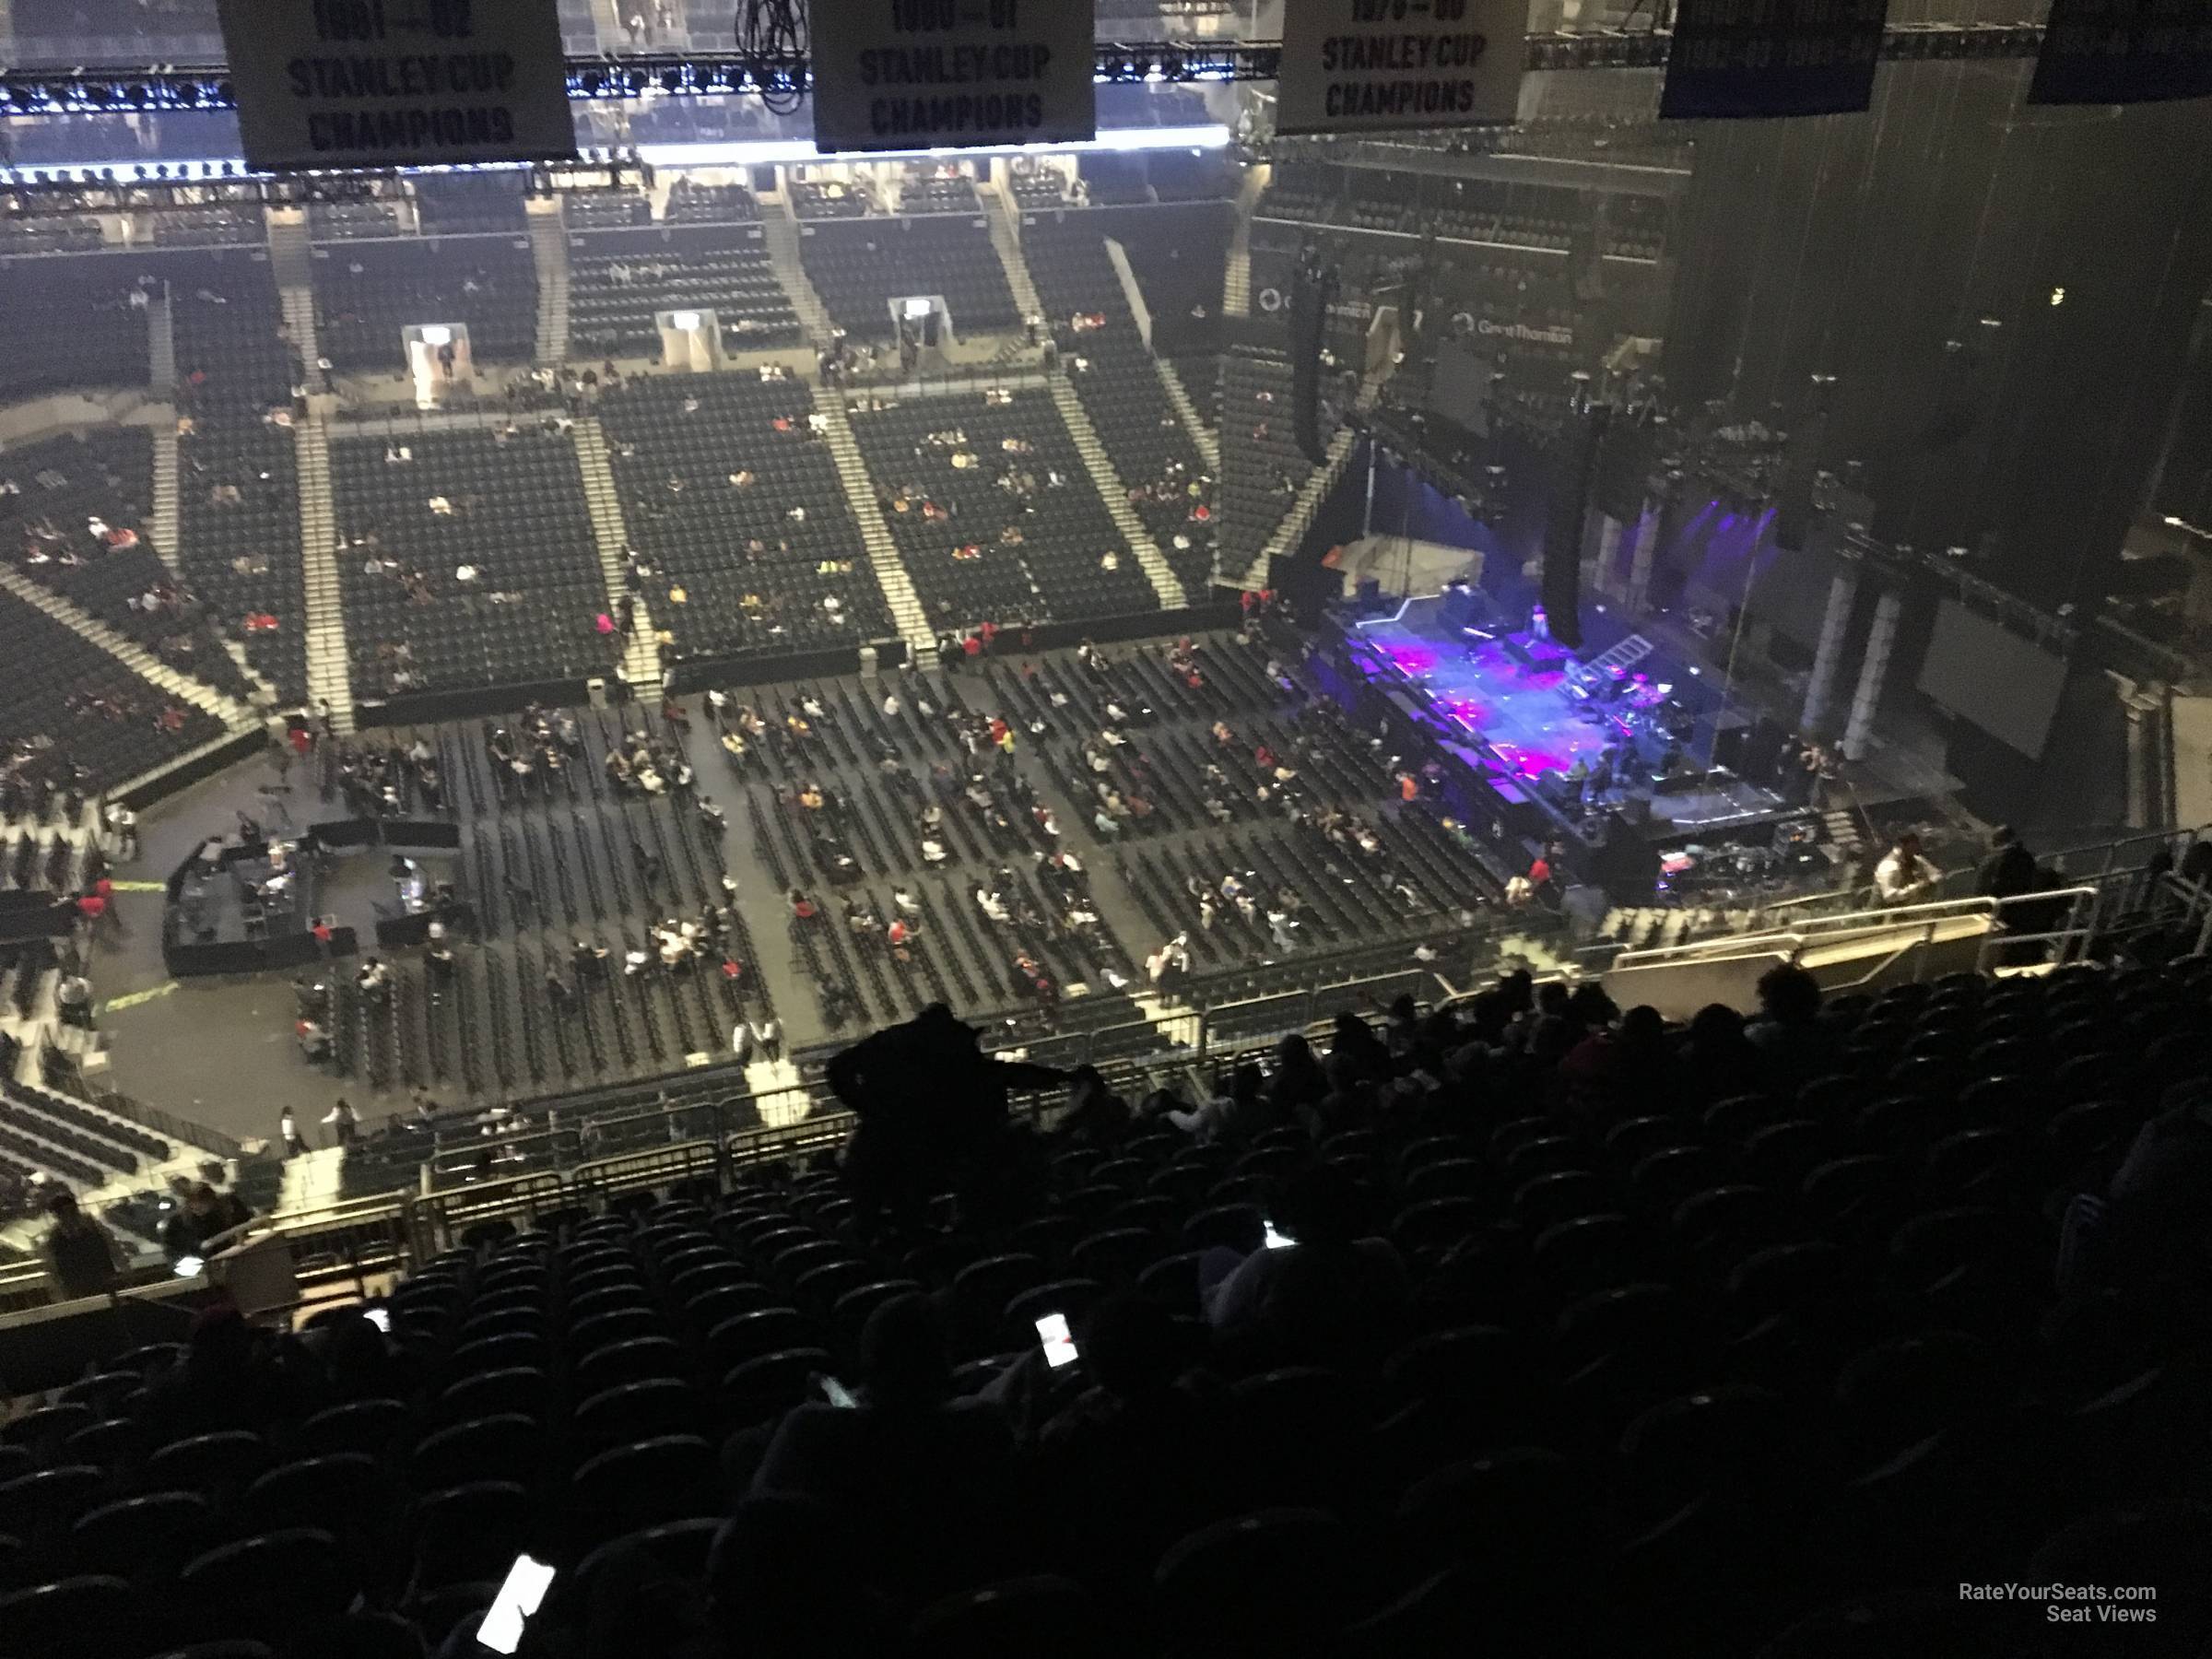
202	1215
1148	1409
779	1586
1300	1083
1332	1295
924	1482
1235	1114
80	1254
2150	1224
1356	1053
1791	1045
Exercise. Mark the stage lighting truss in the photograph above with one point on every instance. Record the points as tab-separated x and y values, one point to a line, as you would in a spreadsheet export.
113	92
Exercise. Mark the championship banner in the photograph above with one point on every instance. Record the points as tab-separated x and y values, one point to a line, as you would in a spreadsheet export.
917	74
2116	52
397	83
1731	59
1387	66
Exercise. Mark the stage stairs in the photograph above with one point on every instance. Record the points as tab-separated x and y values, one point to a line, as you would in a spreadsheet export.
1622	657
641	650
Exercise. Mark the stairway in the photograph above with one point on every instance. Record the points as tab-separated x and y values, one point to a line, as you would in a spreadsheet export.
549	251
1236	293
165	524
161	344
292	263
1005	241
132	655
780	231
1304	509
641	652
1205	437
1116	494
897	587
329	661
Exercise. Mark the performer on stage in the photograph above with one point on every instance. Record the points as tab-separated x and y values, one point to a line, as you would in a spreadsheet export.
1539	624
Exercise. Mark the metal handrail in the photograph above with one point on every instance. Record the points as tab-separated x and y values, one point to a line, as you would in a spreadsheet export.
1813	929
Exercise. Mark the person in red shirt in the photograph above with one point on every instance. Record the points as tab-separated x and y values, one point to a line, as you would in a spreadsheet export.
1539	872
972	647
989	631
1410	788
91	907
800	906
301	740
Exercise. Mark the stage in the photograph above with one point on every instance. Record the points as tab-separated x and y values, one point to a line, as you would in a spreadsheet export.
1587	750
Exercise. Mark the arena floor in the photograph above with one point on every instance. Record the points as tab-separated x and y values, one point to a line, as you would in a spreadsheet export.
222	1050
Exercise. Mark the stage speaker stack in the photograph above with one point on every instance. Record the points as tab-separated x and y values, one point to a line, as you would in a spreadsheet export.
1310	297
1563	528
1795	512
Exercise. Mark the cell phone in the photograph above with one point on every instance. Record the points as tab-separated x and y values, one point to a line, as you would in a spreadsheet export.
379	1317
502	1630
1059	1345
189	1266
1276	1241
836	1393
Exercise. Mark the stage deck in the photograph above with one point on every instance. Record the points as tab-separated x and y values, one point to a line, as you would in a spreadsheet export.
1516	695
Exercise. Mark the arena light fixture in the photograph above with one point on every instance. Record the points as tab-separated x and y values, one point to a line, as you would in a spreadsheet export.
763	153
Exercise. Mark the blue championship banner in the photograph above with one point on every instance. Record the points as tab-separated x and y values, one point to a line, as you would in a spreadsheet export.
1736	59
2116	52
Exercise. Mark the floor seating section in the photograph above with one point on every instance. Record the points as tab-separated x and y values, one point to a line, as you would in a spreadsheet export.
515	514
239	520
98	721
367	292
755	579
618	281
998	556
859	267
69	323
1603	1329
1113	372
1261	466
75	523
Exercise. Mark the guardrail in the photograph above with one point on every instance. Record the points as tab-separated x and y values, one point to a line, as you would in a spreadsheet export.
2067	943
